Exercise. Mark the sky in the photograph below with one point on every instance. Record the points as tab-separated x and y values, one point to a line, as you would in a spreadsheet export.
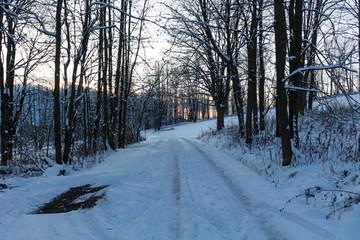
158	38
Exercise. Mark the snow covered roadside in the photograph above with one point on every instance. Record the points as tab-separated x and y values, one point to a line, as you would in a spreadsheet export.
139	203
296	221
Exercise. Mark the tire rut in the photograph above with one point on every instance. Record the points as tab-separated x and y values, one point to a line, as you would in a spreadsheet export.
260	211
177	190
270	231
186	196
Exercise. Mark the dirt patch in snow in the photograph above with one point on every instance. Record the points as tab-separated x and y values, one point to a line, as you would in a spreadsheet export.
75	198
3	186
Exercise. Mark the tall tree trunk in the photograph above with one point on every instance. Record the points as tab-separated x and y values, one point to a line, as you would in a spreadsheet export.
307	30
314	38
126	84
261	69
57	116
232	50
111	132
99	86
115	128
73	105
239	102
220	109
122	98
105	126
7	93
251	112
82	92
4	161
280	47
358	18
295	22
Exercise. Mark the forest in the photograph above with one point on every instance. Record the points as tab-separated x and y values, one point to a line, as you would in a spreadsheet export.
80	77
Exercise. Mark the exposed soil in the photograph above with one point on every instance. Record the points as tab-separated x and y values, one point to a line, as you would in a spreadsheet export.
75	198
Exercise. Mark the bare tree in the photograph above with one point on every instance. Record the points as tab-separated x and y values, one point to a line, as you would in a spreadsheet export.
311	26
57	109
16	18
295	24
251	113
210	29
261	68
281	108
72	110
353	6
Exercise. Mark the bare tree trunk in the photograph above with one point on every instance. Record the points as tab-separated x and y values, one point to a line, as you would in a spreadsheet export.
82	92
358	18
99	88
111	134
239	103
7	93
57	116
220	109
126	82
307	28
130	66
122	98
119	80
251	112
124	74
295	22
69	104
219	90
233	71
261	69
312	56
280	46
4	160
73	105
105	126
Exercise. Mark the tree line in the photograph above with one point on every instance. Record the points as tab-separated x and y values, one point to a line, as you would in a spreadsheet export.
89	46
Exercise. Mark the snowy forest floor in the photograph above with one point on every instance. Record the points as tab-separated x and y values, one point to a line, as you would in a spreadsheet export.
175	186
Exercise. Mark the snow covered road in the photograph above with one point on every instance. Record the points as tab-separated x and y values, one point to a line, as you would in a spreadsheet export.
164	188
208	209
216	205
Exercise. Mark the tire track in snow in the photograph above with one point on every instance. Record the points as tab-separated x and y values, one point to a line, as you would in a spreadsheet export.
177	191
271	232
203	201
150	217
261	210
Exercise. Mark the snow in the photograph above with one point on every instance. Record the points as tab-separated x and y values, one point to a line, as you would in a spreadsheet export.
188	130
171	186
